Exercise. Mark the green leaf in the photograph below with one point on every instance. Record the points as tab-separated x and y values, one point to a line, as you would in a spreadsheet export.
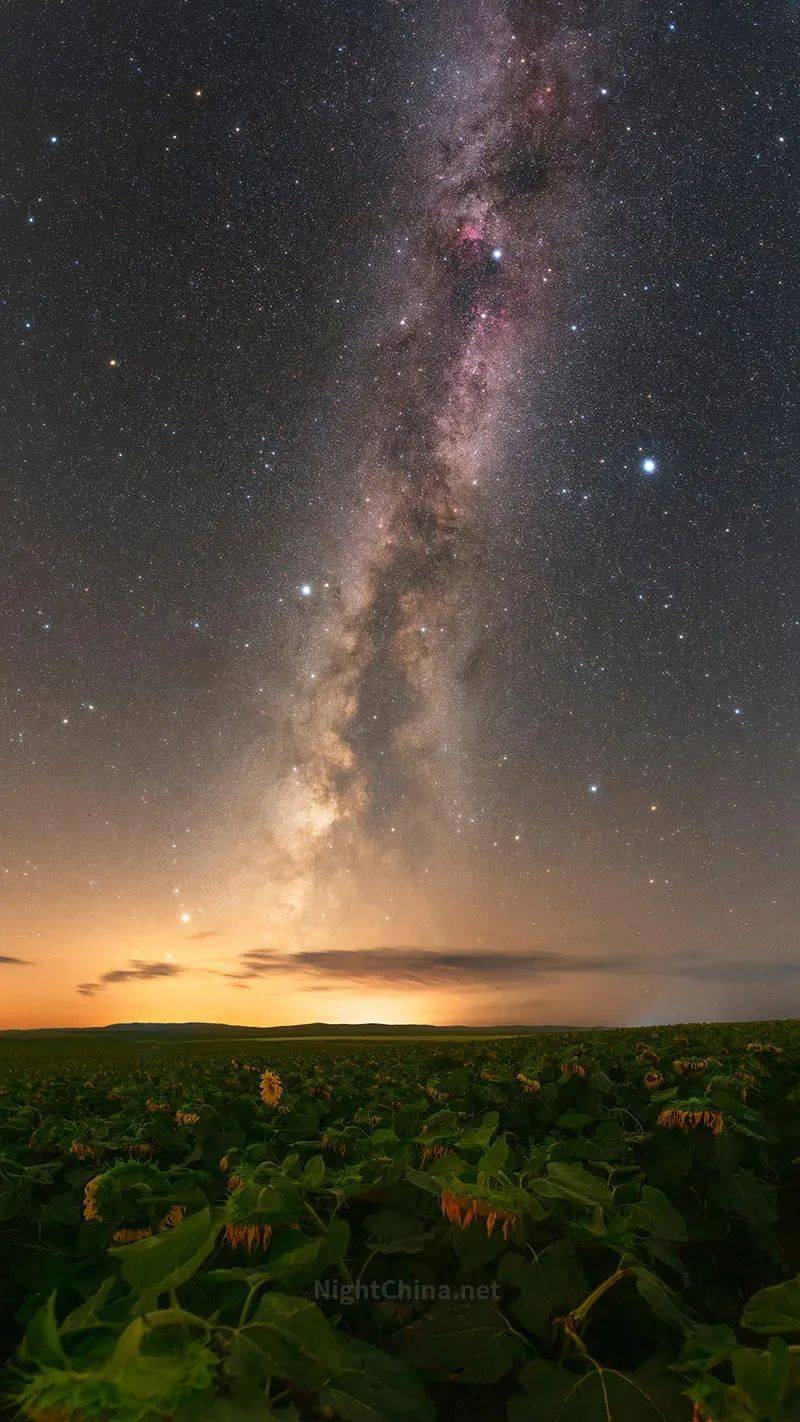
462	1342
424	1181
314	1173
574	1121
292	1339
573	1182
553	1283
167	1260
551	1394
495	1157
662	1301
546	1388
41	1343
333	1244
393	1233
478	1137
608	1396
706	1347
774	1310
654	1214
763	1377
371	1387
87	1314
250	1408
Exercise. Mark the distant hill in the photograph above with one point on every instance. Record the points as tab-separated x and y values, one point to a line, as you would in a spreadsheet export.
303	1029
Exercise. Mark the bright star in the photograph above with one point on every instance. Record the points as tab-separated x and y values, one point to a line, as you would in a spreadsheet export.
497	253
186	918
649	465
305	590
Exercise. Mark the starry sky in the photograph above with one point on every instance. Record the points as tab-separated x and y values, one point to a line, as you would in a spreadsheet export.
400	509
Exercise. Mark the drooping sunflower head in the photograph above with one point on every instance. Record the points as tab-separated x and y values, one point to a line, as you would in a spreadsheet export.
690	1116
691	1066
86	1150
461	1209
131	1236
653	1080
133	1196
90	1207
271	1089
530	1084
247	1236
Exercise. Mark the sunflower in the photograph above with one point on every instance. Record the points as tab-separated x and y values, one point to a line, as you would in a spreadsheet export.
85	1150
329	1142
688	1118
434	1152
131	1236
271	1089
174	1216
248	1236
90	1211
653	1080
573	1069
461	1210
691	1066
529	1083
186	1118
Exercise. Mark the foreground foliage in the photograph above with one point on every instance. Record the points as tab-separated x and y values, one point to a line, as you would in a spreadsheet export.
557	1228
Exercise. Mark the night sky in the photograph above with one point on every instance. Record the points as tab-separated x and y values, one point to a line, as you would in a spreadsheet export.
400	609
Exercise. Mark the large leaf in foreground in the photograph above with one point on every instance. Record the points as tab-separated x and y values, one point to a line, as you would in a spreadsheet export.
167	1260
370	1387
774	1310
461	1342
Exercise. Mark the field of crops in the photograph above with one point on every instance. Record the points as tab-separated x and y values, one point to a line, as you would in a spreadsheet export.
575	1227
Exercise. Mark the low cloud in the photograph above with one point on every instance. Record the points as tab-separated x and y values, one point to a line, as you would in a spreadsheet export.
7	958
415	968
454	969
137	970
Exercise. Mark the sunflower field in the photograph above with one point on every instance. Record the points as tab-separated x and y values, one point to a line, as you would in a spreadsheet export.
562	1227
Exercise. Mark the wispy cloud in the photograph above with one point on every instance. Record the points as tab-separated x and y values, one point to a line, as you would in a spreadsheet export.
8	959
137	970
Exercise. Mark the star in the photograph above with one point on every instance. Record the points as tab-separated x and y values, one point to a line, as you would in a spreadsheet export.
649	465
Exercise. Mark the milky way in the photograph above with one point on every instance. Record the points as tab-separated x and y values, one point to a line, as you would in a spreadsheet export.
381	735
400	467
